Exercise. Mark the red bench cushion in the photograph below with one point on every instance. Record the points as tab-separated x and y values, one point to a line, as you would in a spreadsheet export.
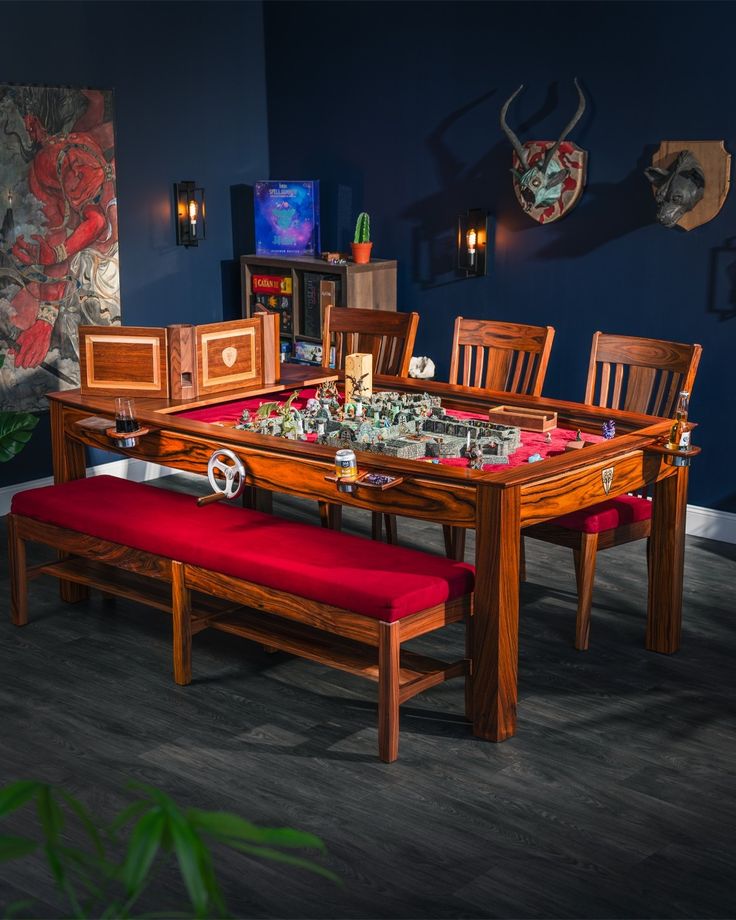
374	579
626	509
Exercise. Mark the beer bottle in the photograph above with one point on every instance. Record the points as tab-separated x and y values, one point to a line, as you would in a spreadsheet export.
680	431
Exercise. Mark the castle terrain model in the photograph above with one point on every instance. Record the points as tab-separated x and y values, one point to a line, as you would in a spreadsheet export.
408	425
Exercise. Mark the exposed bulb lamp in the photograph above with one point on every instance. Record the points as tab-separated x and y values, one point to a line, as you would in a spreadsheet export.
189	201
472	240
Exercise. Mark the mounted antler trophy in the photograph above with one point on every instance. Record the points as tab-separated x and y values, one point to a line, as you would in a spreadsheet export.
548	175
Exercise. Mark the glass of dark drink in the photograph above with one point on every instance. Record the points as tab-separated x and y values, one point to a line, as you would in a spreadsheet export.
125	420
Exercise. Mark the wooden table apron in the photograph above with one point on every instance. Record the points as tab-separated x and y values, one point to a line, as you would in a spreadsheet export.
497	504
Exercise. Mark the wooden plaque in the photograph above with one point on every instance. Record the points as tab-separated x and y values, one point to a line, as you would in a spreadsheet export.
229	355
716	163
123	361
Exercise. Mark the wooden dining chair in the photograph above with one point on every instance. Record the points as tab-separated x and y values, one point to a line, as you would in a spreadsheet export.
386	335
389	337
637	375
508	357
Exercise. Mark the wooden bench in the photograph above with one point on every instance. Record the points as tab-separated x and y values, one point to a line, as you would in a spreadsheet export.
337	599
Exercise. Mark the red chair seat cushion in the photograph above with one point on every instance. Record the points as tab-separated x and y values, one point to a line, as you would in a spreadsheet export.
375	579
626	509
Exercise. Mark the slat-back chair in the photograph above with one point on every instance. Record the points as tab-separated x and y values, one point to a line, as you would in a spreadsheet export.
509	357
386	335
638	375
389	337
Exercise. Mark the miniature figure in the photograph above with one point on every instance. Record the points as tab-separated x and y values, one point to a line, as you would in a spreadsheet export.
475	455
359	387
327	391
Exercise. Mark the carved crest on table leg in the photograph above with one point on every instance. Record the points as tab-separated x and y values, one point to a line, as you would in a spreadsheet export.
607	479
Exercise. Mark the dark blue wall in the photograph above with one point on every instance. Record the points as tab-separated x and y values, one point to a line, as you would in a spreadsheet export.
190	103
394	107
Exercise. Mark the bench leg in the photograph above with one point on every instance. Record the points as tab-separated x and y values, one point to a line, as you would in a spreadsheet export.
71	592
181	608
388	691
18	574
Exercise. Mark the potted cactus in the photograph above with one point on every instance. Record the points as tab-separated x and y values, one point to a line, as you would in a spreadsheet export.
361	245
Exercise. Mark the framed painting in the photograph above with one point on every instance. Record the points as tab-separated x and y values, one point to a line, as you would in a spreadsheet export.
58	235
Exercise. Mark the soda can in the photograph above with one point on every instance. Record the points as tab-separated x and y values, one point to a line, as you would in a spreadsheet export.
346	465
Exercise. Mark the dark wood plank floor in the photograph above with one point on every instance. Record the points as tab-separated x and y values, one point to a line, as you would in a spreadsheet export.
617	798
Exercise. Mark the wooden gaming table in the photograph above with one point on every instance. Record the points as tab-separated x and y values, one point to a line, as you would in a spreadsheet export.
498	503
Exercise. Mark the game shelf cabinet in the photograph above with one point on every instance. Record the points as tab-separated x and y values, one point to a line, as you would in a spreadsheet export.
369	287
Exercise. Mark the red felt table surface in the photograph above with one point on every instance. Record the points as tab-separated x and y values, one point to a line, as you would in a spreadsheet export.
532	442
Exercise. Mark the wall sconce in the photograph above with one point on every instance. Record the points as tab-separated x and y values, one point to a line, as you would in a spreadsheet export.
472	242
190	213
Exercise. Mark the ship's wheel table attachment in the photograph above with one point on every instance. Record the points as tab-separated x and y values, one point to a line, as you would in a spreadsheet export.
226	474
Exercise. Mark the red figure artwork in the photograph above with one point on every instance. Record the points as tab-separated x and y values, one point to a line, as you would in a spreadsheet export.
58	238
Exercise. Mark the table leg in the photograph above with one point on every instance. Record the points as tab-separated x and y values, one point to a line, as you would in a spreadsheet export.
496	614
666	562
67	456
69	462
331	516
263	501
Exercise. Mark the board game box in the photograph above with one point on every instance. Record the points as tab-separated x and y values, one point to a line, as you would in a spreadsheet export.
287	217
273	294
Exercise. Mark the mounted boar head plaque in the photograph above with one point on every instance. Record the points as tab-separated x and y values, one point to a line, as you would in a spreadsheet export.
548	175
678	189
690	181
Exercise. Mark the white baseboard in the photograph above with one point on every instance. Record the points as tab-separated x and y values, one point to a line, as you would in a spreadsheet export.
128	468
701	522
715	525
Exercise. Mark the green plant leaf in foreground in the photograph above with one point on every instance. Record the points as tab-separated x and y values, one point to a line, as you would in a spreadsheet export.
15	432
93	884
225	826
288	858
14	847
145	842
16	794
189	847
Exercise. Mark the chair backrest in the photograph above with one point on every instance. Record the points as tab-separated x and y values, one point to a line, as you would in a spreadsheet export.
386	335
510	357
638	374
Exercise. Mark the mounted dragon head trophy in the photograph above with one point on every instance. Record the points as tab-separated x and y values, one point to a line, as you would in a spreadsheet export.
548	175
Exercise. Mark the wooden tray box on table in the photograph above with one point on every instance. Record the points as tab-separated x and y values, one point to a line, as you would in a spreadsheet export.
526	419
